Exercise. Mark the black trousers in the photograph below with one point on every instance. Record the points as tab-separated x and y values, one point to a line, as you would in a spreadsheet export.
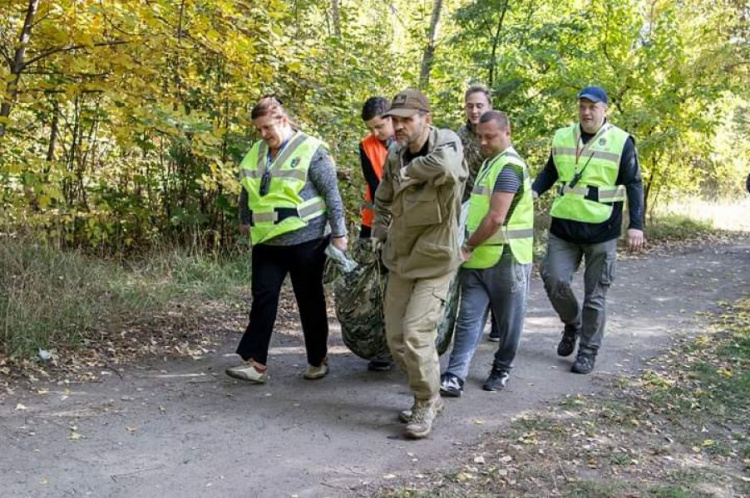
270	265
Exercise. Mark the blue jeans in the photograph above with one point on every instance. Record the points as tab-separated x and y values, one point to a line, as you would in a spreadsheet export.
503	288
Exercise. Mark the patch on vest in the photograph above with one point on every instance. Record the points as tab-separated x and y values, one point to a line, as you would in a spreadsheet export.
602	141
295	162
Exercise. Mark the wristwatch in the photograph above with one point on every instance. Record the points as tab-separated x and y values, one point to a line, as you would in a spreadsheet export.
466	247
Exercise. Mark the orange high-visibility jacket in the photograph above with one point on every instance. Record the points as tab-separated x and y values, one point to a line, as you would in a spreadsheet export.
376	152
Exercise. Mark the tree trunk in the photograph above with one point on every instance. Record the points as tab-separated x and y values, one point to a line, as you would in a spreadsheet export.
18	64
336	14
495	43
177	77
54	131
429	51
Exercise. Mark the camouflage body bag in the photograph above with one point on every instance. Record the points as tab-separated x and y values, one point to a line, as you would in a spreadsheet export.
358	296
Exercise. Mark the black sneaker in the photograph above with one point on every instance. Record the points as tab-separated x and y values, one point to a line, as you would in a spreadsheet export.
568	342
451	386
494	335
497	380
584	363
379	365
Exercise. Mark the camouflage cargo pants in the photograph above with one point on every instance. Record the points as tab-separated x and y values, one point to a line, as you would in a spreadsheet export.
413	309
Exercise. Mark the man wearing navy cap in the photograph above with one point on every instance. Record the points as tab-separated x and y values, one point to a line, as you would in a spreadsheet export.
596	168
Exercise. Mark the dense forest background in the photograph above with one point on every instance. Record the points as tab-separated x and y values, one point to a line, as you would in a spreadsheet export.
123	121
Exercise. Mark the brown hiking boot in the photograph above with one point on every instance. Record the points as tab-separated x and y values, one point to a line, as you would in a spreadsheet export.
422	416
405	415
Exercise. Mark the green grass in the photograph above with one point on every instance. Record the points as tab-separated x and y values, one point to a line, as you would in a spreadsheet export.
590	489
677	228
673	492
51	298
659	229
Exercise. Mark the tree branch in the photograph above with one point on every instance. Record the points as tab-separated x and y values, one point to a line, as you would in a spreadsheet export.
17	65
429	52
110	22
71	48
495	42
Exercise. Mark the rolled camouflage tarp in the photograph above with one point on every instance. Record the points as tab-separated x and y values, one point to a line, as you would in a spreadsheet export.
358	296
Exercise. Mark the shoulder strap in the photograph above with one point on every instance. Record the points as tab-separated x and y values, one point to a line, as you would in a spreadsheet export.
297	139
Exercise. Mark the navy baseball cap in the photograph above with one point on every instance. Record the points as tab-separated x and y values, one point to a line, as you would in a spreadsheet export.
594	94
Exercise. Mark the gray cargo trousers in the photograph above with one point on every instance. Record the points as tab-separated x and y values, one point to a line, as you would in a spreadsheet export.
562	260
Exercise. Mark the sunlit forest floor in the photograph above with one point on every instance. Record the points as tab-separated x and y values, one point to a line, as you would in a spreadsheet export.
732	215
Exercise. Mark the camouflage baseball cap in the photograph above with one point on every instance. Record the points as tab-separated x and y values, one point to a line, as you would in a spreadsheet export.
407	103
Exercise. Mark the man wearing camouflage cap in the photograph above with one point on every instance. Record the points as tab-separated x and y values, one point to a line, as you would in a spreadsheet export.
416	217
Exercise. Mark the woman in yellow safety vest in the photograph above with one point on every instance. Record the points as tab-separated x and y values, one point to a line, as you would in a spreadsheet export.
291	208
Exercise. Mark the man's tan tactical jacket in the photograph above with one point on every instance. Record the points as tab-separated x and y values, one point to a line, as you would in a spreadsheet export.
417	207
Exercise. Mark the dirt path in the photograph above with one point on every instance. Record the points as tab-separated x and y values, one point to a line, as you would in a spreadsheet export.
182	428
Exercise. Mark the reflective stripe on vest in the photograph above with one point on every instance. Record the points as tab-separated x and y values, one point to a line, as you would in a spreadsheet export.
294	174
281	209
588	173
518	230
376	152
306	211
505	235
605	195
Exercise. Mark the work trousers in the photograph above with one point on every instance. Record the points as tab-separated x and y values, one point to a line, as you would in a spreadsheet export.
270	264
413	308
562	260
504	288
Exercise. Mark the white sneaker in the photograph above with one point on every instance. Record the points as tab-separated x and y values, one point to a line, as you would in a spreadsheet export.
250	371
314	373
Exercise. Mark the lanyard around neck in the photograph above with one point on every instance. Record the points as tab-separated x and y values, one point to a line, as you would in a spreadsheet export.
579	173
581	147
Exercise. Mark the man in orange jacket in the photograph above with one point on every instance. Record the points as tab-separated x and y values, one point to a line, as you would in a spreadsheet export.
373	150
